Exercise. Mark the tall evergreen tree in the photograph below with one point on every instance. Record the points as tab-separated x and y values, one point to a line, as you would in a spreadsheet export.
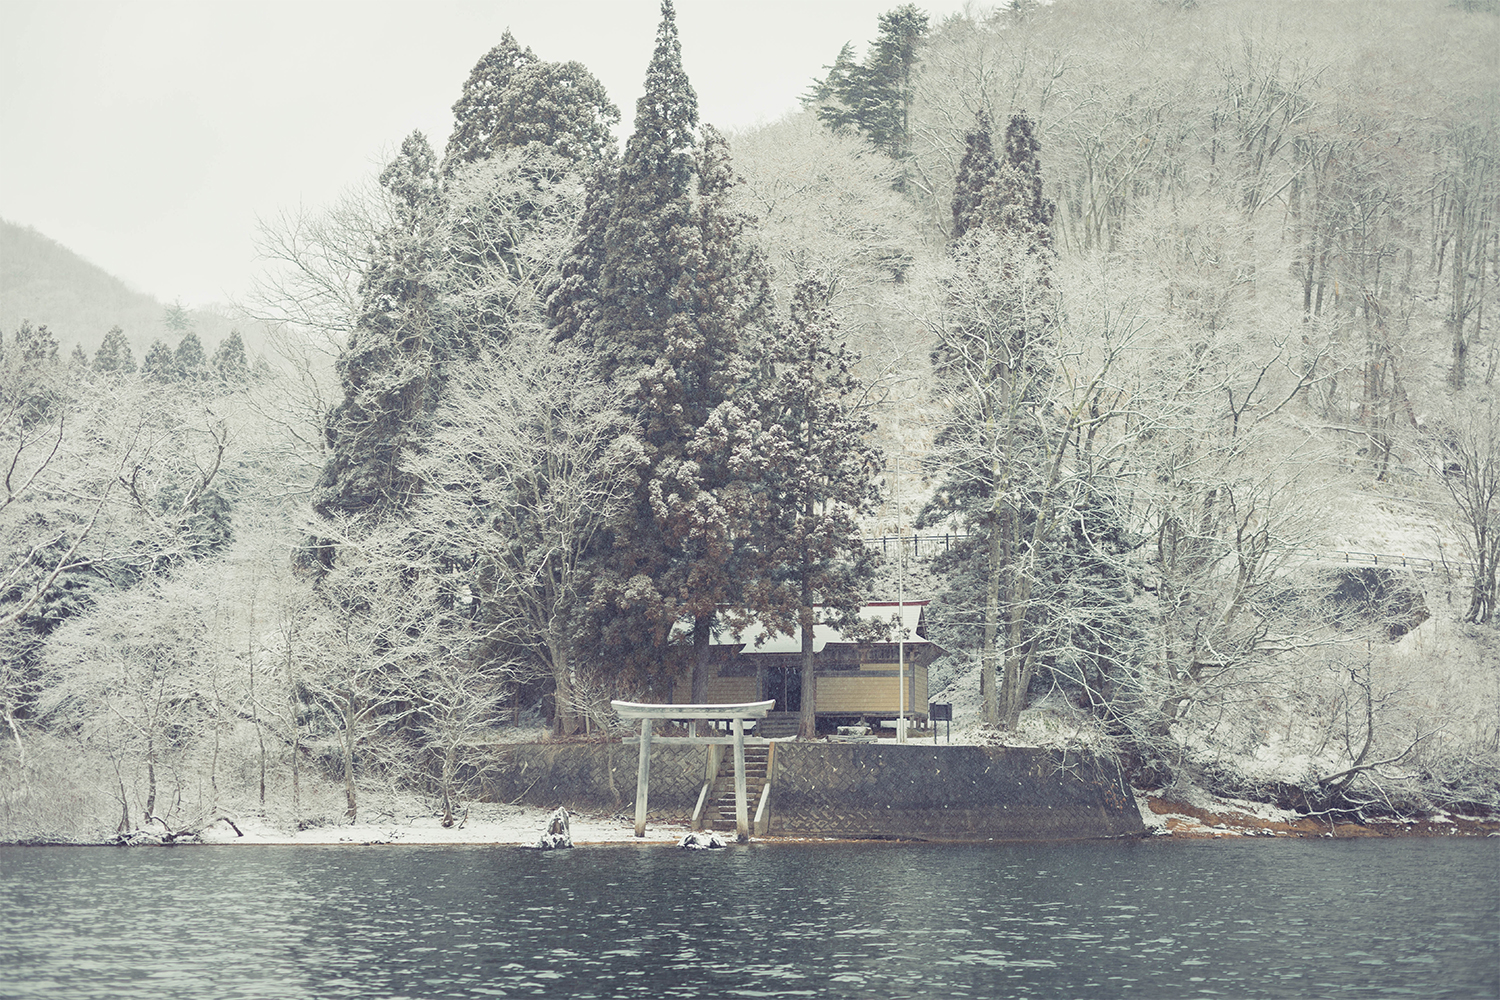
574	304
512	98
190	360
651	241
114	354
159	365
390	369
827	97
675	292
977	176
875	96
704	507
815	481
176	317
229	363
35	344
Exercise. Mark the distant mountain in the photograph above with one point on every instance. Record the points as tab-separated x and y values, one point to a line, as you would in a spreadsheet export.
46	283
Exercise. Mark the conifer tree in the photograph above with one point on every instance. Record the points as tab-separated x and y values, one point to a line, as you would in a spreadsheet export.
977	173
189	360
650	247
35	344
229	363
827	96
676	289
704	507
651	241
176	317
160	365
875	96
390	369
815	481
512	98
114	354
78	359
574	303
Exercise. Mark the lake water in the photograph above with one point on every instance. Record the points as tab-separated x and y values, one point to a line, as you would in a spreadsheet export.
1254	918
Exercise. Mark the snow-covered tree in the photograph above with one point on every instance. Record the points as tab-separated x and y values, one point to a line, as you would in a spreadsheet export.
128	679
229	363
1465	459
114	354
522	477
34	344
512	99
679	285
875	96
159	365
813	481
992	363
509	218
190	360
390	369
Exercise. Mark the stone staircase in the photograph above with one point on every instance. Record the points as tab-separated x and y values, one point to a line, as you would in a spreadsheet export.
757	759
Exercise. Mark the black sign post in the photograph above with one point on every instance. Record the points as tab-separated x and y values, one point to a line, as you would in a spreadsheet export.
941	712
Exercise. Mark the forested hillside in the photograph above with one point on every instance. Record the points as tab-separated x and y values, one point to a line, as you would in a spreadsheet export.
45	284
1157	310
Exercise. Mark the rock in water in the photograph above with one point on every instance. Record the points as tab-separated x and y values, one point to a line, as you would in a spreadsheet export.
701	841
557	834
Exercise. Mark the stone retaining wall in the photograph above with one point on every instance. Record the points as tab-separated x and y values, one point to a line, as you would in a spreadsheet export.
948	793
960	793
596	777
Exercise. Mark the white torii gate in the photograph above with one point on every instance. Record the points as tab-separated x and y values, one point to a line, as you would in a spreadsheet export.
738	713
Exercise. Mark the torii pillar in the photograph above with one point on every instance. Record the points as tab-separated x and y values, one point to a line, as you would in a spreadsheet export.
737	713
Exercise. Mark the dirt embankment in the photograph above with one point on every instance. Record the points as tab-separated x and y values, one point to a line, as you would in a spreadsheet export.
1170	817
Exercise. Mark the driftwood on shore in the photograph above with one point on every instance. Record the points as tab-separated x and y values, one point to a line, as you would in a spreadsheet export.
146	838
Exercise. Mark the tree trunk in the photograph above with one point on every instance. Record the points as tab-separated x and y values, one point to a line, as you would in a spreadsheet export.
353	811
1457	372
807	724
296	771
448	767
565	710
990	653
124	826
150	779
702	637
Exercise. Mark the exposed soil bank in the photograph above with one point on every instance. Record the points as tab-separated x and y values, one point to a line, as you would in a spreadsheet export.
1206	819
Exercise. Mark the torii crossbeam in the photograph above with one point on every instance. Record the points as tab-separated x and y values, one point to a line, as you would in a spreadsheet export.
737	713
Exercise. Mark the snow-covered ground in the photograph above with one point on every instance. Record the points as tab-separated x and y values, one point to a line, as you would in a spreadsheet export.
484	823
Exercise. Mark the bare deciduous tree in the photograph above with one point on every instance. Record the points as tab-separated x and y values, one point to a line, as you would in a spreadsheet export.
521	479
1464	457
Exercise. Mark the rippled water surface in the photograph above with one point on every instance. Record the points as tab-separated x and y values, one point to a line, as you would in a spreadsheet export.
1264	918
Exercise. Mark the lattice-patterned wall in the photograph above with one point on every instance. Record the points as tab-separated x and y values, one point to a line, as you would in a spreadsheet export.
596	776
947	793
846	790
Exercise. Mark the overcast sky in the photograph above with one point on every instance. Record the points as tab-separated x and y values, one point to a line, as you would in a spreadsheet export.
148	137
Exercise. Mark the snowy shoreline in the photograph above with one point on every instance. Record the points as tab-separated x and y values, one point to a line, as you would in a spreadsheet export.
1196	815
1193	815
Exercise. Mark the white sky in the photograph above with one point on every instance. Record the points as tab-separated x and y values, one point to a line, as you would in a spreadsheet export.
148	136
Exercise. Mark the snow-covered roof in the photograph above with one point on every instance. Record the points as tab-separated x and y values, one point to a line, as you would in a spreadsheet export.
903	618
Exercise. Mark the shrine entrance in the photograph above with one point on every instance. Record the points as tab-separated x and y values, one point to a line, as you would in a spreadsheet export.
736	714
782	684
